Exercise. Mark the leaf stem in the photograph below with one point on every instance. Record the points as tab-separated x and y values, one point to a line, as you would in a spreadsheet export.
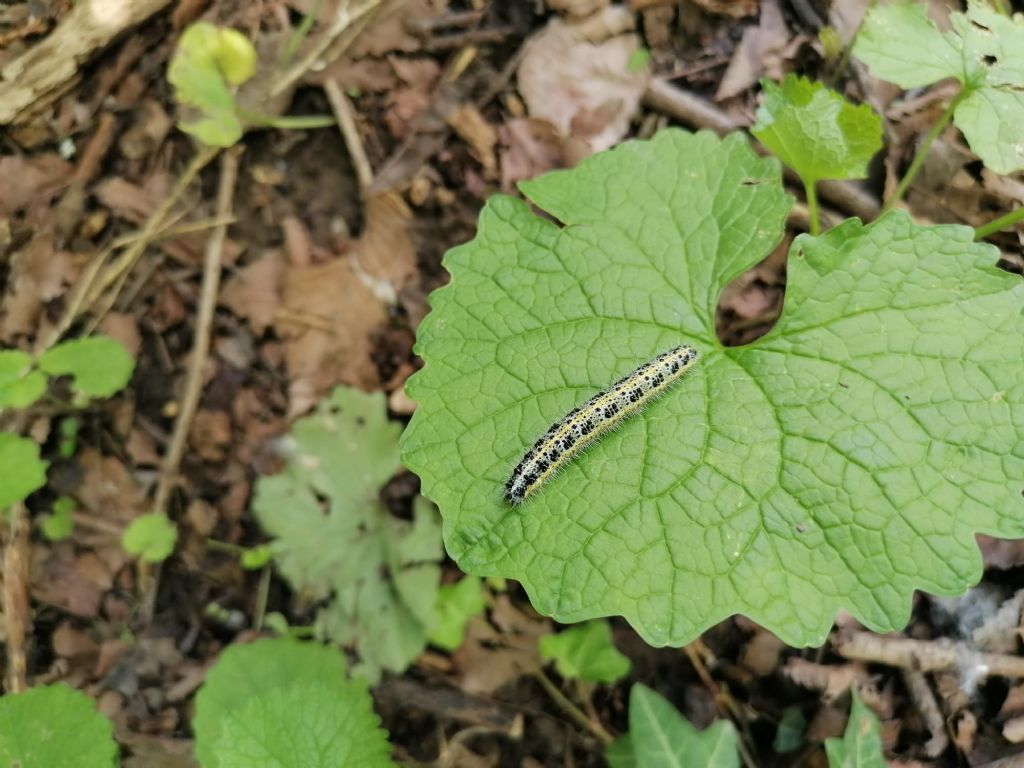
574	713
996	225
812	206
922	152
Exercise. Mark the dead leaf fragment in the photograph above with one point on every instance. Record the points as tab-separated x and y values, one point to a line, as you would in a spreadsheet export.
759	51
254	291
38	273
580	83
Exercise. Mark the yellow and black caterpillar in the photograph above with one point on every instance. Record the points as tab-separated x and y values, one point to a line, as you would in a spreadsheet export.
581	426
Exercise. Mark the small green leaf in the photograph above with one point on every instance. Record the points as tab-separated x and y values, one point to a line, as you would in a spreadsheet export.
305	725
861	745
53	726
638	60
585	652
334	540
20	385
815	131
662	738
23	471
151	537
244	672
790	734
207	62
256	557
235	56
59	524
457	604
68	432
831	43
985	52
842	461
99	365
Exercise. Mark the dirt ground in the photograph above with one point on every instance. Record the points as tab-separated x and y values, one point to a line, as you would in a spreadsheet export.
336	241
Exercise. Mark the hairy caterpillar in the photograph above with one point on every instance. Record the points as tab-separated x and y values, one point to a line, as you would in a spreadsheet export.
581	426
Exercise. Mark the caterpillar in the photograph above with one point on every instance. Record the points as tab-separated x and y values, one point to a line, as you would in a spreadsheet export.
581	426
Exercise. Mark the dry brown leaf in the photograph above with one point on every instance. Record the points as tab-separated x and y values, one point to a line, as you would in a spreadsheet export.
28	179
583	85
327	317
759	50
108	489
474	129
70	582
734	9
38	273
254	291
210	434
531	147
578	8
124	328
489	658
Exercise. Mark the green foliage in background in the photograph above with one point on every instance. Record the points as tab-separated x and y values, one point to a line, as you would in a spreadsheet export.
98	367
843	461
984	51
659	737
861	745
585	652
151	537
334	540
456	604
53	726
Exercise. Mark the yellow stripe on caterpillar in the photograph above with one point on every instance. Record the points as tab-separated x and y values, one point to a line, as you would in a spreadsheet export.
581	426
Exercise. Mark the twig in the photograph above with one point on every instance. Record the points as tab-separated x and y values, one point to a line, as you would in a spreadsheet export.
201	340
724	701
92	285
17	553
572	711
344	18
924	699
926	655
196	363
342	108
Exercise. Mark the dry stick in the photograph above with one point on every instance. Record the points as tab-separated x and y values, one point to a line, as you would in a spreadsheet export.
925	655
924	700
724	701
197	359
695	111
574	713
87	292
345	115
16	606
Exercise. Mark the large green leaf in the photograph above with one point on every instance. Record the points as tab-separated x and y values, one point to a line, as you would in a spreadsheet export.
23	471
99	365
334	539
843	461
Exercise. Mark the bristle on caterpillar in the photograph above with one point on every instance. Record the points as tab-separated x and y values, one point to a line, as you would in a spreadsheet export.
581	426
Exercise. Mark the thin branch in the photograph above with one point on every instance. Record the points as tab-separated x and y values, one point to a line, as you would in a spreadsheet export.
17	553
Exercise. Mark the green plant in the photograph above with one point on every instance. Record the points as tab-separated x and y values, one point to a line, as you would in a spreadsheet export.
53	726
209	65
151	537
334	541
659	737
843	461
984	51
456	604
585	652
98	367
289	704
